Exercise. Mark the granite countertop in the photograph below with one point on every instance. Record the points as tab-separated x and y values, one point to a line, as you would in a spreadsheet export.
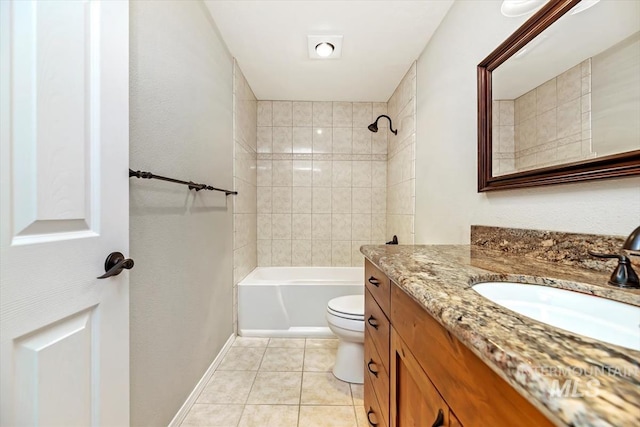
528	354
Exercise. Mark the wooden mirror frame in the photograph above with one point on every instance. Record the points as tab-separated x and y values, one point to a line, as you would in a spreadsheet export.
612	166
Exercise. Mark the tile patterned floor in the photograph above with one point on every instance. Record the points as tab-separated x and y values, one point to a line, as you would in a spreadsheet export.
278	382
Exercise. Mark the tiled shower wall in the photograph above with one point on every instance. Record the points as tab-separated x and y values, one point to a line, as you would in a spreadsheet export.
548	125
244	180
321	182
401	171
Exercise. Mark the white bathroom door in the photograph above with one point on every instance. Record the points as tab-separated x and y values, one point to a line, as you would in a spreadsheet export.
64	132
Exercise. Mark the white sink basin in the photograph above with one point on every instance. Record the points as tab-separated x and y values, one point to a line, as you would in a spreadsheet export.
599	318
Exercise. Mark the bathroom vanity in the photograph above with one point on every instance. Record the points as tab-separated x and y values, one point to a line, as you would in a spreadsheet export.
439	354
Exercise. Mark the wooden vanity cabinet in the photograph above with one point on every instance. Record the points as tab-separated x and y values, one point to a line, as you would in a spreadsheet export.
377	338
430	378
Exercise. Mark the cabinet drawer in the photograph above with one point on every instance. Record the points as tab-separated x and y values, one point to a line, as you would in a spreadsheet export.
376	375
478	395
378	284
377	325
372	407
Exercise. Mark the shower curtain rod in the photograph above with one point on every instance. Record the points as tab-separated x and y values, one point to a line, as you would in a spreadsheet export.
192	185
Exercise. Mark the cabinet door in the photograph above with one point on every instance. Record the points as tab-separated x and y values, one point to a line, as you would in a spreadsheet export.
415	402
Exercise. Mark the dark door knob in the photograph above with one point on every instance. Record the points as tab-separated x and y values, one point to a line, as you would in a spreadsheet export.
115	263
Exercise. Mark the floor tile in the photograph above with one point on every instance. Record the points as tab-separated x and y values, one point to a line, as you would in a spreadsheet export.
287	342
207	415
242	359
361	416
322	388
327	416
270	416
282	359
357	392
250	342
276	388
321	343
228	387
319	359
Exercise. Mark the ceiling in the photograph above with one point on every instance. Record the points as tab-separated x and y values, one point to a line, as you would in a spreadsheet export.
381	40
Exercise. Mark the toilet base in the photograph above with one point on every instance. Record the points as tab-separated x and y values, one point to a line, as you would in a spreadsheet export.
349	364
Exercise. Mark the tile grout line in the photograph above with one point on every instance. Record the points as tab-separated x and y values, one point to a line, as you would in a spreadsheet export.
244	406
304	354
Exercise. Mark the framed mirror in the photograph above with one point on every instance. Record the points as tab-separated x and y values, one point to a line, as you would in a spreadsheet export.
559	100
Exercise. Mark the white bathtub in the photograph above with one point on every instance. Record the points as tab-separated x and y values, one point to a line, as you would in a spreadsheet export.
292	301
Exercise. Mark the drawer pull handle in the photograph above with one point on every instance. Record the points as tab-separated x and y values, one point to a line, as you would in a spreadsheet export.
375	282
371	423
371	362
439	422
373	322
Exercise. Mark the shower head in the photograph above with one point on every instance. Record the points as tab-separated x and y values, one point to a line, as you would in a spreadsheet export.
373	127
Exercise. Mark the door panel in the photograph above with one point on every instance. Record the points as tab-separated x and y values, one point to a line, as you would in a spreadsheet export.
54	123
64	207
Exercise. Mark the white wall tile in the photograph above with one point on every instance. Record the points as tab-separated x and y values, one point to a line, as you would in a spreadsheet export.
265	113
341	227
264	253
265	138
379	173
379	200
341	200
362	114
361	173
264	226
302	114
282	139
322	139
264	173
301	253
302	173
282	113
264	200
322	173
341	253
281	252
361	200
302	197
357	259
322	114
379	143
342	114
301	226
342	140
281	200
321	252
569	85
362	141
321	226
361	227
282	173
321	200
281	226
302	139
341	173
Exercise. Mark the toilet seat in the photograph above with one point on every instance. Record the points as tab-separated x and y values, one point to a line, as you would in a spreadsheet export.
348	307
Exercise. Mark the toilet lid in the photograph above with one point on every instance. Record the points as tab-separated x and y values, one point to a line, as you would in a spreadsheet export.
351	306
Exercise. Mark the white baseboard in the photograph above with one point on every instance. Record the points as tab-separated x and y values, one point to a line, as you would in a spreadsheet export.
186	406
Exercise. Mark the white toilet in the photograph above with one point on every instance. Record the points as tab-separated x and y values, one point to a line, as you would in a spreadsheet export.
345	316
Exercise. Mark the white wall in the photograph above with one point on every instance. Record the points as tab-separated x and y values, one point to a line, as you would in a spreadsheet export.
446	199
181	241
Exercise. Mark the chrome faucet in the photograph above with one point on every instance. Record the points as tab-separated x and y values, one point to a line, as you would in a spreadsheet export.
624	276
